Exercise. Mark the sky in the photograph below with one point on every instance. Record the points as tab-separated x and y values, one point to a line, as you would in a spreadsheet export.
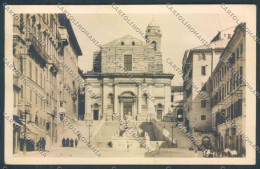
176	38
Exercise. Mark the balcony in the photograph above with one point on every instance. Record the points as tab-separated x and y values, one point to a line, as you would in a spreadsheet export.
39	47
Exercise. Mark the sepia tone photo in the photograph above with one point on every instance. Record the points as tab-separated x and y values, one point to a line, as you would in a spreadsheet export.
130	84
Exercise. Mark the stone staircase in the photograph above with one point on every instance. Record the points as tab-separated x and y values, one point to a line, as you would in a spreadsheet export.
182	140
105	134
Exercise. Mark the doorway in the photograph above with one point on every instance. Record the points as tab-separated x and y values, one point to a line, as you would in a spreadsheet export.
159	114
96	112
127	109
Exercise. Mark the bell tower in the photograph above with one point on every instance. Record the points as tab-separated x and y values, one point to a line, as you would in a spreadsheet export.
153	35
153	39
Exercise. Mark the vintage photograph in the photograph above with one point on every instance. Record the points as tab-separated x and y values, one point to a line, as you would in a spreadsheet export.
130	84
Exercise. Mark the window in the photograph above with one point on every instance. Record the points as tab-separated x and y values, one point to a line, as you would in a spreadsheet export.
199	57
111	97
30	69
232	112
154	45
36	74
203	56
239	107
232	59
237	53
222	95
35	98
203	117
122	43
203	103
30	95
172	98
229	36
133	43
128	62
241	74
21	64
203	70
220	75
148	30
41	79
22	92
241	49
228	87
145	99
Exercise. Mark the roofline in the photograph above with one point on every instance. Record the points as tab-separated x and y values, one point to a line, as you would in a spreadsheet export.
66	22
123	75
228	45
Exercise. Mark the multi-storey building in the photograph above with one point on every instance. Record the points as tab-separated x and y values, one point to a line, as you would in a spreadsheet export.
35	44
70	50
128	78
228	94
198	64
42	82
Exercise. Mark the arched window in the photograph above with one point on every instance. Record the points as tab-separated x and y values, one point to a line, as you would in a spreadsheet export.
154	45
145	99
111	98
36	120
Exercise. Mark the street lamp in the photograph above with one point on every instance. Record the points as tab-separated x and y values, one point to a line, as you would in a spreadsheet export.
172	132
27	110
89	125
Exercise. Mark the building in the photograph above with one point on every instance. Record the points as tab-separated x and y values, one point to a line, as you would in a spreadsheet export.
198	64
43	81
228	94
69	74
35	44
128	78
81	98
177	103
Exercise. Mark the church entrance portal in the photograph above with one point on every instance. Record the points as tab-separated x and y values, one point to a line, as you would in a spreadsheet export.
127	106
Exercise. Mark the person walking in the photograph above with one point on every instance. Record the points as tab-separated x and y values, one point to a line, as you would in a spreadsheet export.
43	144
71	142
67	142
76	143
127	146
63	142
196	154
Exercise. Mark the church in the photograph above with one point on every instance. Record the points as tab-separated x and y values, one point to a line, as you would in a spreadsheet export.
128	79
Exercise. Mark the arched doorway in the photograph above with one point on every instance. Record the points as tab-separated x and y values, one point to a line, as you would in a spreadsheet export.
95	111
127	105
180	115
206	142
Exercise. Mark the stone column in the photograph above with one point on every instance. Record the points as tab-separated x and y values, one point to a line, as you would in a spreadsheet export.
115	98
150	102
121	109
103	100
139	101
134	108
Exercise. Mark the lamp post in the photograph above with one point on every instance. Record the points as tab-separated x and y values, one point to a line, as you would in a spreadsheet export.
27	110
172	132
89	124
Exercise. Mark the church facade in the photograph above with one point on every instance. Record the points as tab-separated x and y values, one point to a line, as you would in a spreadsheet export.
128	78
